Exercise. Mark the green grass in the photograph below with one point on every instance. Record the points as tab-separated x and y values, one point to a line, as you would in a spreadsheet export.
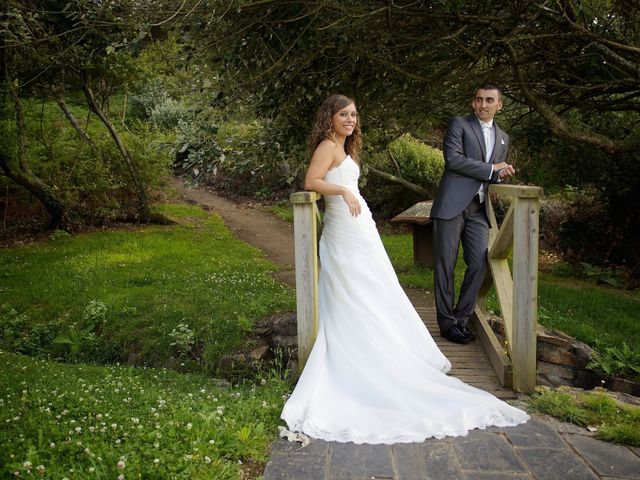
602	317
80	421
188	291
615	422
283	210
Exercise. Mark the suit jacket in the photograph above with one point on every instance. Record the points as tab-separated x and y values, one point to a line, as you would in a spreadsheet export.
465	165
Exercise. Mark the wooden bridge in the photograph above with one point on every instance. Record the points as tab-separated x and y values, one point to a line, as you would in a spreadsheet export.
513	247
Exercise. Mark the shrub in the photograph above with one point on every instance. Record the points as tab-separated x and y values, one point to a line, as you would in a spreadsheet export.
410	159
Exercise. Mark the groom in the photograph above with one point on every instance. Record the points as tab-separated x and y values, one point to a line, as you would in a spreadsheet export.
475	153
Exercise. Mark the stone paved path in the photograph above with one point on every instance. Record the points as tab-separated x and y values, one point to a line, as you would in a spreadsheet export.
541	449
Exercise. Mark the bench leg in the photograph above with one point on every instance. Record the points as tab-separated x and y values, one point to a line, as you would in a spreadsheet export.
423	244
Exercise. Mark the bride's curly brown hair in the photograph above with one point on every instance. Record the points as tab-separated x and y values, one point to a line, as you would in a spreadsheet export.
323	126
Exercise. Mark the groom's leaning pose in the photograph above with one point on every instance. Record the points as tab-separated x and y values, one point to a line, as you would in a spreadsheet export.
475	153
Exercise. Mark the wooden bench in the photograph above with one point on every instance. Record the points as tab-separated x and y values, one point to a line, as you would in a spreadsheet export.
422	229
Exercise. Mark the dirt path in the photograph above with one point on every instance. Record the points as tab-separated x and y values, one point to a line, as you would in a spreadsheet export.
253	225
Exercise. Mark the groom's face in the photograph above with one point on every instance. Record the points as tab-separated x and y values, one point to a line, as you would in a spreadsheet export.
486	104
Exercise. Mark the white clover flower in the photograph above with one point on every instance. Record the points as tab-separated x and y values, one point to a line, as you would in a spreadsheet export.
212	441
188	456
40	469
207	460
156	461
121	477
91	469
156	445
114	425
263	381
26	465
264	404
78	429
189	426
135	420
52	445
121	464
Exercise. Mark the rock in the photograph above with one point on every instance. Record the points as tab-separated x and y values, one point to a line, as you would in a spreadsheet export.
553	375
285	342
239	358
132	359
259	353
221	382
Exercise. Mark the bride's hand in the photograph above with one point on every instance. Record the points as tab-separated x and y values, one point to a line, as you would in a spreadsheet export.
352	202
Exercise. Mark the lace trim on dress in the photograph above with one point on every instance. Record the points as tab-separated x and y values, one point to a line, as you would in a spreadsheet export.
492	419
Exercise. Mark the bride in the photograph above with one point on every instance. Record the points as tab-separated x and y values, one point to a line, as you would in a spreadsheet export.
374	375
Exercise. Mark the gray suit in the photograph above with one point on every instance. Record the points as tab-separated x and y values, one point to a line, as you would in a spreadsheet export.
459	216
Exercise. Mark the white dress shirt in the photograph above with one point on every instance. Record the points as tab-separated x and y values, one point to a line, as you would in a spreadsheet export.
489	143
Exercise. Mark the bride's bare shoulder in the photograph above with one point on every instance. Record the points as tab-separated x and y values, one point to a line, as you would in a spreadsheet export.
326	149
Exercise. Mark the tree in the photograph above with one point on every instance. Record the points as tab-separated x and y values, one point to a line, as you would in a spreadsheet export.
85	45
563	59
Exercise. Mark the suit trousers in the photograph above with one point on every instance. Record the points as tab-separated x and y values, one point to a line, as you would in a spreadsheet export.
471	228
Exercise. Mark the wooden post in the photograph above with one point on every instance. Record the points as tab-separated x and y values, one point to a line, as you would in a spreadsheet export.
305	222
518	295
525	293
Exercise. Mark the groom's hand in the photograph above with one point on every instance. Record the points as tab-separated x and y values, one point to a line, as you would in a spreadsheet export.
504	170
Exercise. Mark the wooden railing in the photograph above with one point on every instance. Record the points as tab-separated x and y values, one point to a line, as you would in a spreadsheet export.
306	227
515	362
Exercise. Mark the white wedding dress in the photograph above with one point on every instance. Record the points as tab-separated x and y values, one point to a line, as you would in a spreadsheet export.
375	375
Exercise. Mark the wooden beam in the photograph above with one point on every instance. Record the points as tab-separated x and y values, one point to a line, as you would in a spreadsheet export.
519	191
504	290
306	265
503	241
496	353
525	302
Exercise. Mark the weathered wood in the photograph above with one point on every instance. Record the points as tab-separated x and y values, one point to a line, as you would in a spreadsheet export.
422	244
501	245
517	296
497	356
304	197
519	191
306	265
421	229
504	290
525	302
418	213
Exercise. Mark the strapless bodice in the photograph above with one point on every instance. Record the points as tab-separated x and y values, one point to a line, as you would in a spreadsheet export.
347	174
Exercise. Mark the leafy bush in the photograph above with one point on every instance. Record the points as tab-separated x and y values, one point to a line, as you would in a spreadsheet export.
621	360
575	222
416	161
257	160
94	189
410	159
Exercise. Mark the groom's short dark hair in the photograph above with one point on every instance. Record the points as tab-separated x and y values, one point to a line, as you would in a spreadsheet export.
489	86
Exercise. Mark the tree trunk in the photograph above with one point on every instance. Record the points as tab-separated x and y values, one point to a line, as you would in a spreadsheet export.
22	174
143	207
84	136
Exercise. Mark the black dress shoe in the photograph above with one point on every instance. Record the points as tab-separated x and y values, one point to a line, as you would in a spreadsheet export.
453	334
467	333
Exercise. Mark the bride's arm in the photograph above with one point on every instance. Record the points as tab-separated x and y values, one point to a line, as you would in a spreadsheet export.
321	162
